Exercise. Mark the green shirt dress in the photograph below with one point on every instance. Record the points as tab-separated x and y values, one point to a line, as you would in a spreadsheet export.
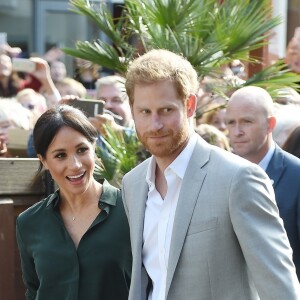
53	269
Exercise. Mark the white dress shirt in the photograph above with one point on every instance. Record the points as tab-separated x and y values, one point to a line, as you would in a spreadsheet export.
159	219
265	161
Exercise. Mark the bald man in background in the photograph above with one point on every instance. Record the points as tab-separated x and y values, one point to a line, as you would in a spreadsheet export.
250	121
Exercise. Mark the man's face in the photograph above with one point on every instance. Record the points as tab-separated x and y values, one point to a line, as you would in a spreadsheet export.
116	101
161	119
58	71
293	56
248	130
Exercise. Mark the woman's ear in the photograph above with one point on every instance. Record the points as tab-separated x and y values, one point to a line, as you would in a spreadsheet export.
43	161
191	105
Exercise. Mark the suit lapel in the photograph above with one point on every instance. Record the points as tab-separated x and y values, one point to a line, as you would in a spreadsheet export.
190	189
276	166
140	193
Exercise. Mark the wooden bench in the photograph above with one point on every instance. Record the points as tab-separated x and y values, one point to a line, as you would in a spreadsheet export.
18	191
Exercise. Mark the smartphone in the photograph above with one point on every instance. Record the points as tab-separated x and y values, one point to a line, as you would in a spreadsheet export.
90	107
23	65
3	38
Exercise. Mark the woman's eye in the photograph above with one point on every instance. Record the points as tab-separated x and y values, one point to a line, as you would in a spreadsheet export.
60	155
83	149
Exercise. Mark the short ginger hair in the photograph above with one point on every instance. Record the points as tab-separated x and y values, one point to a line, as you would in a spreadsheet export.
159	65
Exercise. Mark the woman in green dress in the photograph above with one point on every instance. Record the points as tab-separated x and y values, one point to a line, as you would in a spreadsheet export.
75	243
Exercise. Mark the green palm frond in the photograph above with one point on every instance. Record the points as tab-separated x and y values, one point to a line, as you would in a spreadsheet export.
122	152
207	33
103	53
274	79
100	53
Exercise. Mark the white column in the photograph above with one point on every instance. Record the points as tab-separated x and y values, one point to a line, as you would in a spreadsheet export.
277	46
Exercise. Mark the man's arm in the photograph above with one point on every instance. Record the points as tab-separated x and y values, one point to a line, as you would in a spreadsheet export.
262	237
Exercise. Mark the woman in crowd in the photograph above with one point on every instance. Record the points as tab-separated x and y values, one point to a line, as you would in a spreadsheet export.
39	80
10	82
13	116
75	243
292	144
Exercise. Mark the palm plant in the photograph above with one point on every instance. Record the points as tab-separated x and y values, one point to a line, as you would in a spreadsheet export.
121	153
209	33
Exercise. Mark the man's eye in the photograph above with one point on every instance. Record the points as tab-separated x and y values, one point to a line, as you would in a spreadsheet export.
145	111
117	100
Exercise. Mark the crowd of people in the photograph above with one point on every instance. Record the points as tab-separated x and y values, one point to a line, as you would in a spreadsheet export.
192	221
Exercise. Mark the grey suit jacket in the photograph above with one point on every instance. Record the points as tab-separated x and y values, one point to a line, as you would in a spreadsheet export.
228	242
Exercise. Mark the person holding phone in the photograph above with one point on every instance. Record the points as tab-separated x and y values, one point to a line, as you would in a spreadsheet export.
38	78
75	243
13	116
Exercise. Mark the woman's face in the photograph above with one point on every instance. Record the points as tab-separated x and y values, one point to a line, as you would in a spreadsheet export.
5	65
5	125
70	160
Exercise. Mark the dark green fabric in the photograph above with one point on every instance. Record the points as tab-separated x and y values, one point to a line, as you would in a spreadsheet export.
53	269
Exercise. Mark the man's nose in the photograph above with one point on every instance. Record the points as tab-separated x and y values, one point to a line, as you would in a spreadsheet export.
156	122
108	104
238	130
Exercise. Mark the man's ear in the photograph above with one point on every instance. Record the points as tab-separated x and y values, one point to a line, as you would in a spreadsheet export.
271	123
191	105
43	161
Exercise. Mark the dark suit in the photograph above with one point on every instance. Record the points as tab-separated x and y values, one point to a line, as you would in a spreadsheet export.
284	171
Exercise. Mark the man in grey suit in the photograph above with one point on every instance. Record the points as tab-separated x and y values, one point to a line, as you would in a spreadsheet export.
251	121
203	222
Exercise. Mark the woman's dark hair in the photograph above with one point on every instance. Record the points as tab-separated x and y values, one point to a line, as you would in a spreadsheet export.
292	144
51	121
14	85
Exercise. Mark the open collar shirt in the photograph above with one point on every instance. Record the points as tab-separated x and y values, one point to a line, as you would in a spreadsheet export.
159	219
265	161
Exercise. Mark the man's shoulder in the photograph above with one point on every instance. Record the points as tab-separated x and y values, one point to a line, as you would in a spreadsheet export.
138	170
224	158
288	159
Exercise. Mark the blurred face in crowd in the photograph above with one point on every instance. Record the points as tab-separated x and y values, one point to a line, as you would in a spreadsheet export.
116	101
249	129
58	71
5	125
218	120
34	102
293	56
5	65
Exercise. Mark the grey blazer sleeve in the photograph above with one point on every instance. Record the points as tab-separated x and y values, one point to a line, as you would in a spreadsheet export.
261	235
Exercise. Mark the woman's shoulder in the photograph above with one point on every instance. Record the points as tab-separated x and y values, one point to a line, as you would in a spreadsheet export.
37	210
111	195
